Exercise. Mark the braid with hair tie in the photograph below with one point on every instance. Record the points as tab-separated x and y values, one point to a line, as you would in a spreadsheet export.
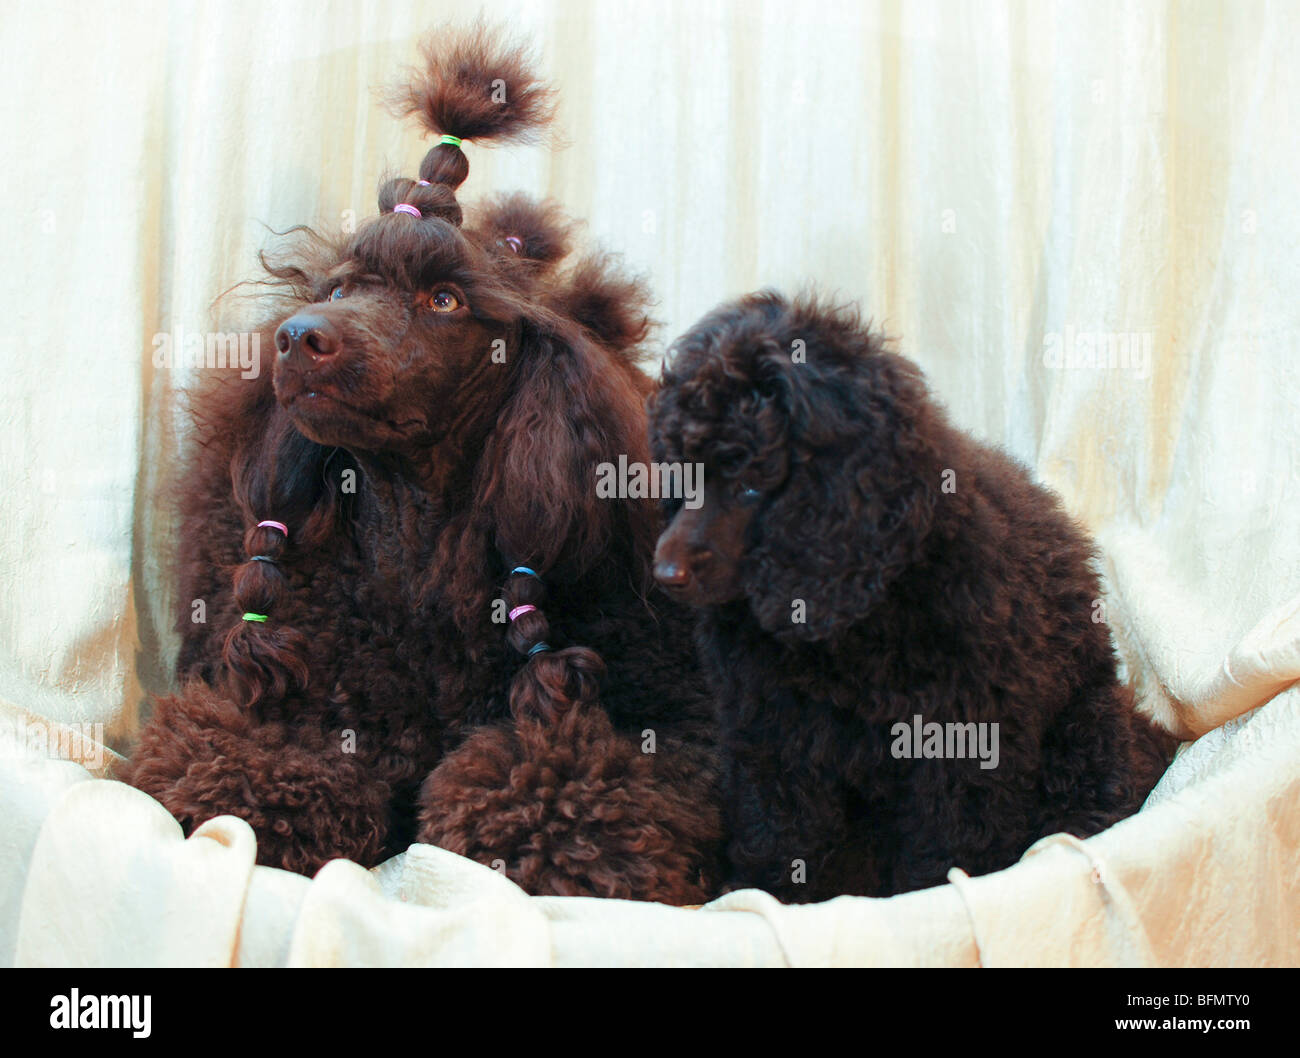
420	198
443	169
262	659
551	681
445	163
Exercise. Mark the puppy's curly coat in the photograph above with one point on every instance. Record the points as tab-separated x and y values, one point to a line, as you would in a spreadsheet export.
844	590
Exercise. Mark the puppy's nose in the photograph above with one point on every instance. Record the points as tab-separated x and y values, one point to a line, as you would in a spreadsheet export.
671	574
306	334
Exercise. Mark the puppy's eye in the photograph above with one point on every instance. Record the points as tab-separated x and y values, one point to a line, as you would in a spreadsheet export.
747	493
444	301
336	293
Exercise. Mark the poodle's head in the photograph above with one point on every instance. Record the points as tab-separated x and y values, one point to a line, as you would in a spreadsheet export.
416	326
396	327
470	348
819	460
402	320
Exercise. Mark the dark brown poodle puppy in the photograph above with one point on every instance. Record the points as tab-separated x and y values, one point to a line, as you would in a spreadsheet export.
902	629
398	538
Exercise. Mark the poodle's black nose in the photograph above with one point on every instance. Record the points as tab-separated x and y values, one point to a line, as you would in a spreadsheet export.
306	334
670	573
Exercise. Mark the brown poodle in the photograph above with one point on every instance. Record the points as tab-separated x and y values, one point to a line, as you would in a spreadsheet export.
402	552
866	574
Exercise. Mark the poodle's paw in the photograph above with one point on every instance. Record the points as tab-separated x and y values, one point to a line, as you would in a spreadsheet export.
201	756
570	808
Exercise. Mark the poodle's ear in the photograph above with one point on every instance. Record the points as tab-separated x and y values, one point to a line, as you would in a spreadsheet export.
790	386
859	498
569	412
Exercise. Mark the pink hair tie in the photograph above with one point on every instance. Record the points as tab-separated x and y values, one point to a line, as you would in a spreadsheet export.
519	611
515	243
275	525
424	183
406	207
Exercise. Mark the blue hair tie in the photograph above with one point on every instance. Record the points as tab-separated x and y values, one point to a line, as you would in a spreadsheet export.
524	569
539	648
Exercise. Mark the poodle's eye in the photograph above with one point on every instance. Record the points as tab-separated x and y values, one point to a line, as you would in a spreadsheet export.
336	293
444	301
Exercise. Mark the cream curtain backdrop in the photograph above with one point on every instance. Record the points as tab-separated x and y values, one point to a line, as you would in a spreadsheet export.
1006	188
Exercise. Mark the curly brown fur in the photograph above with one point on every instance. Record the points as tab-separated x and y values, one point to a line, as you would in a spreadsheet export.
843	590
576	806
439	399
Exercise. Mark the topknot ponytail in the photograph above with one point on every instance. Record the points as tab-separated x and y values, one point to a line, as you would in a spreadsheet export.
445	164
474	86
431	199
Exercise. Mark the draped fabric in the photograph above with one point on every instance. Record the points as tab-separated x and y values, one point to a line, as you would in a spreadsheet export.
1079	218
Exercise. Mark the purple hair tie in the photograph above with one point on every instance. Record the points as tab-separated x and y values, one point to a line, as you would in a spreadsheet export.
514	242
406	207
424	183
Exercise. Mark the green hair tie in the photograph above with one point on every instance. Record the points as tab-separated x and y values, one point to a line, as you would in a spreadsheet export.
448	138
260	618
